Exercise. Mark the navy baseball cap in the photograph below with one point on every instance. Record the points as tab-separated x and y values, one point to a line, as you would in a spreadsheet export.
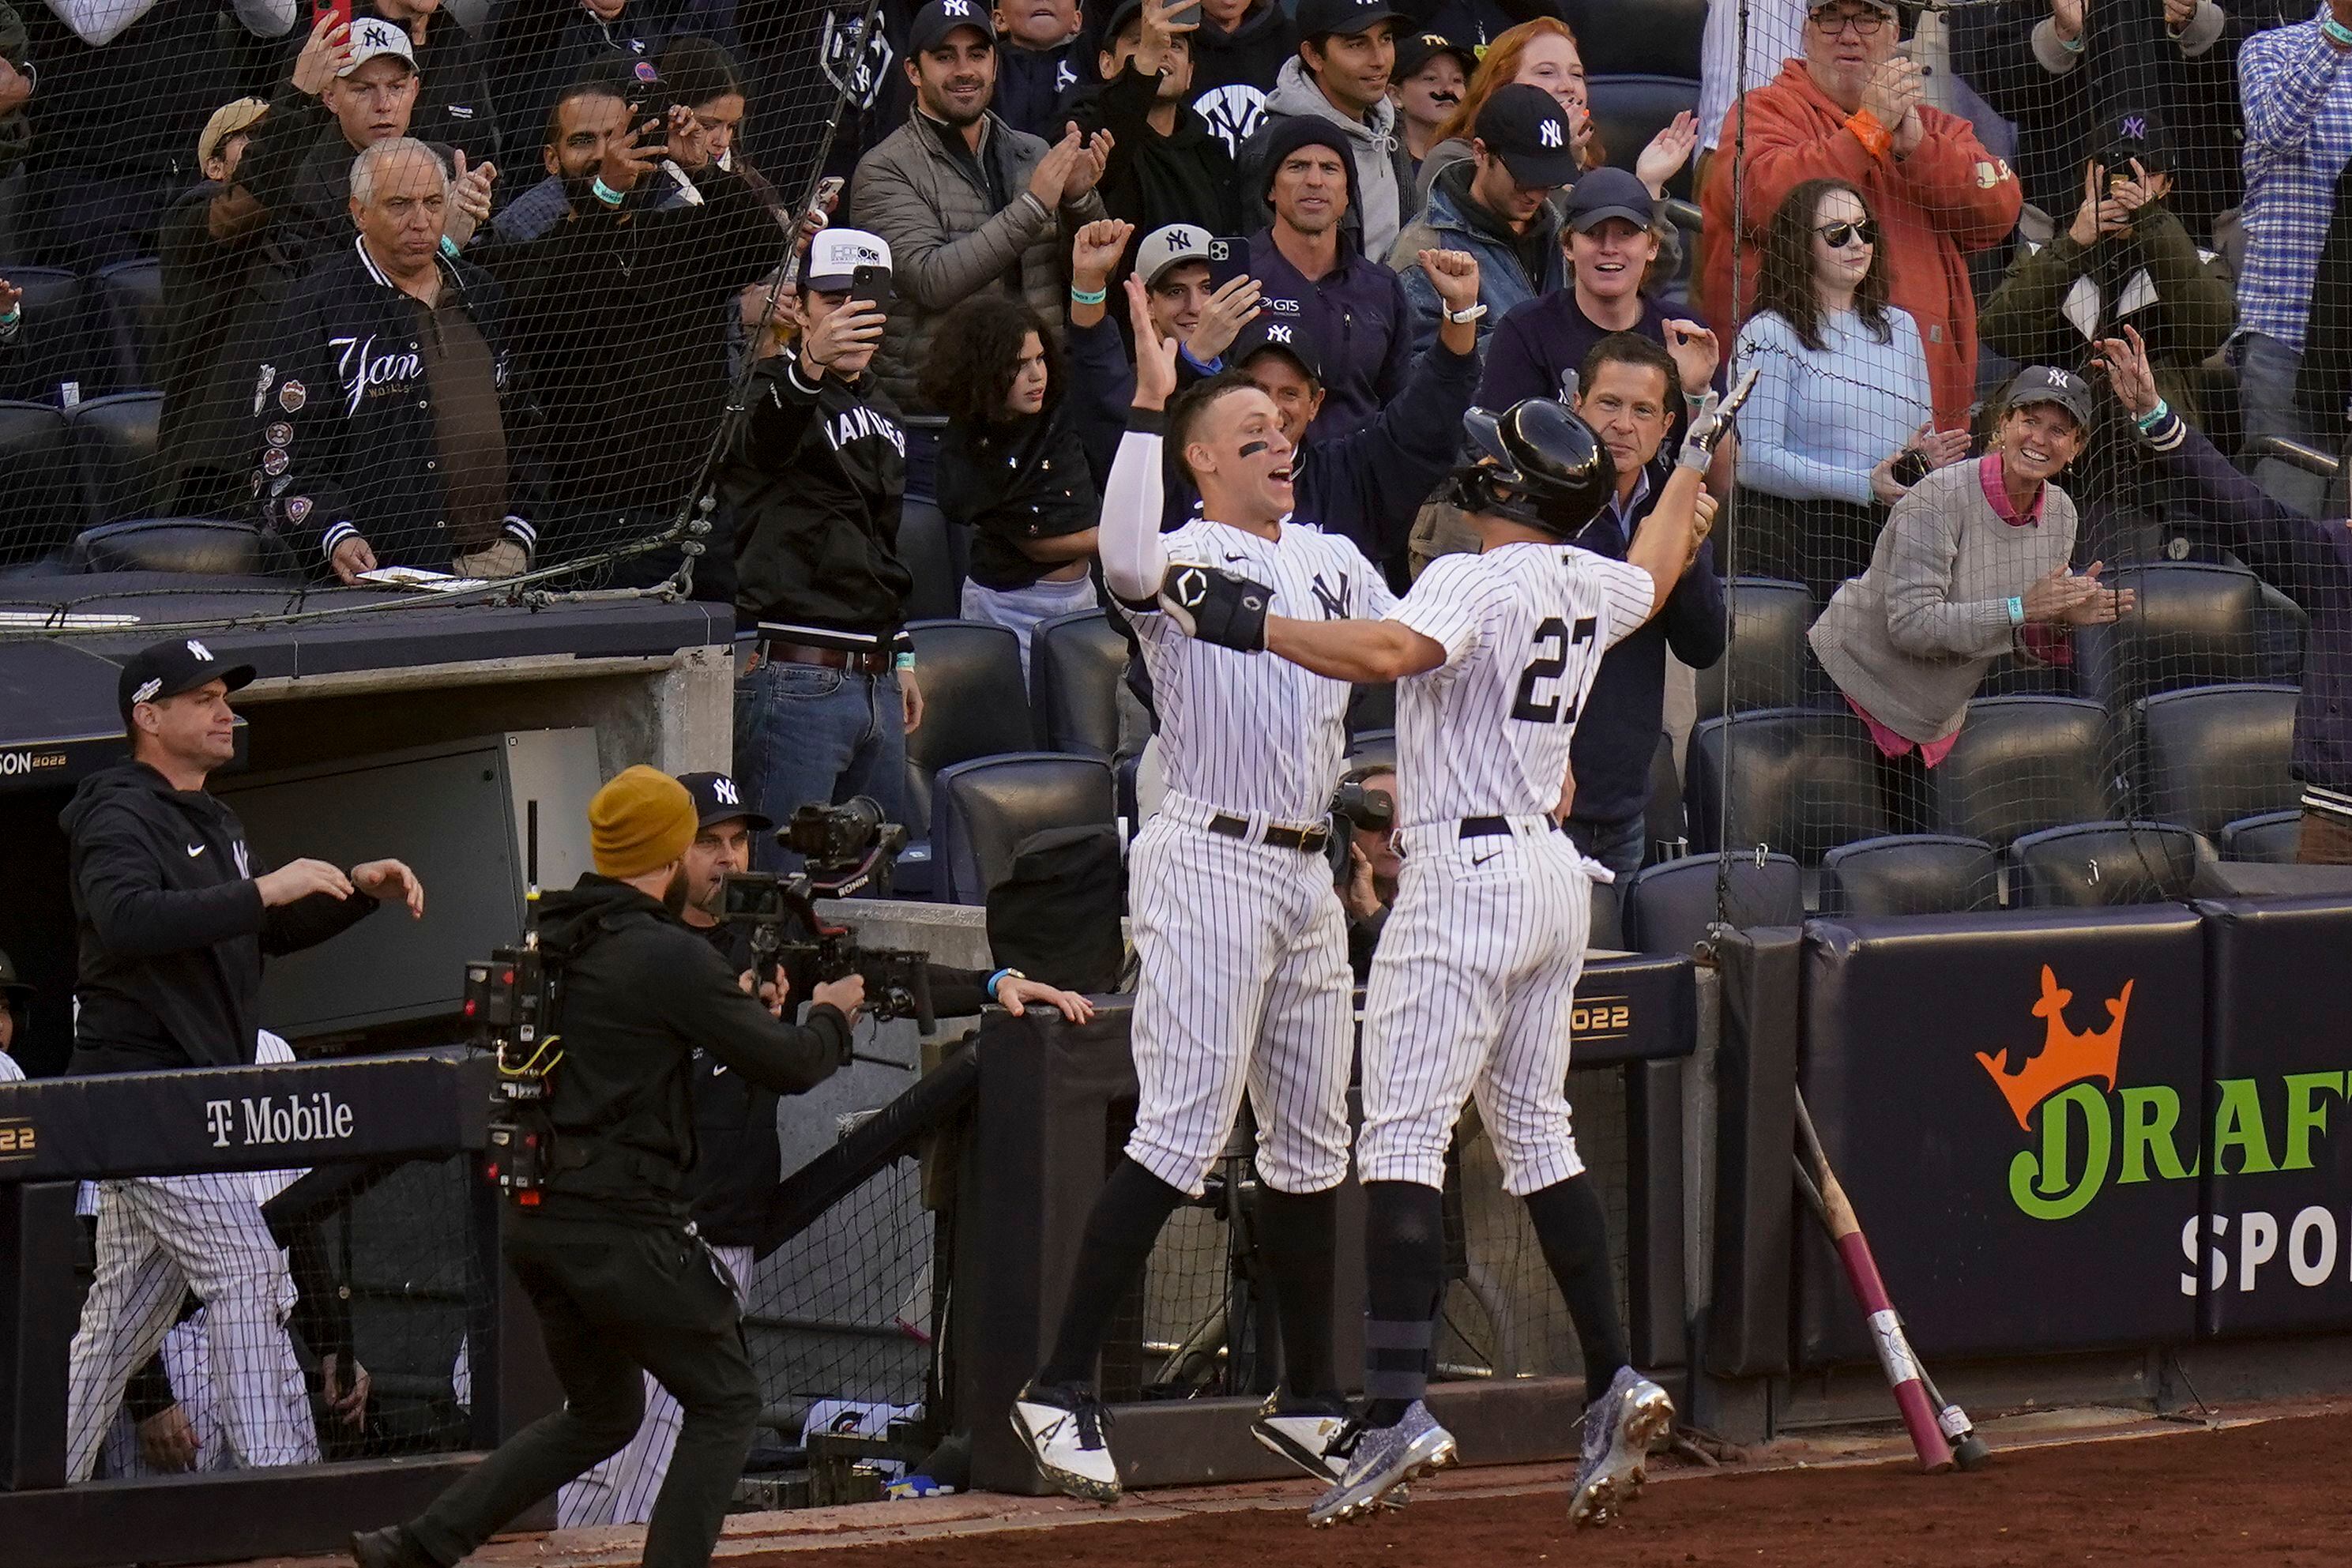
1526	128
1317	18
717	798
1415	50
935	21
1605	193
168	669
1291	339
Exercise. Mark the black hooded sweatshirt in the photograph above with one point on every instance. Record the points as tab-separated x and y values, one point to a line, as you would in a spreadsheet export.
171	927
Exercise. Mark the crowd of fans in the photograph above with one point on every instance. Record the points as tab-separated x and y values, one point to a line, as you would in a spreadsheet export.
394	342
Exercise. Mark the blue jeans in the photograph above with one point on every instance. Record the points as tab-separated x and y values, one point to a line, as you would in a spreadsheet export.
1622	846
2267	371
805	733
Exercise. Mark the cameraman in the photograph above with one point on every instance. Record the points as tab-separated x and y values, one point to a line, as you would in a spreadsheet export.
621	1283
1368	881
739	1162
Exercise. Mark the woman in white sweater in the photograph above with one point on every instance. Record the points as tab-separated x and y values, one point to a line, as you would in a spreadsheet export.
1840	425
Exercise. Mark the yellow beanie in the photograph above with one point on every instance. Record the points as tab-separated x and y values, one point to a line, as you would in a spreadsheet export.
639	822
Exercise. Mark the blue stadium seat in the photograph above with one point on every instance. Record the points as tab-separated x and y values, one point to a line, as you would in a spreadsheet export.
973	706
1075	667
1373	746
2212	754
1765	664
1618	37
1669	906
1798	780
2271	839
983	810
52	343
1628	110
2023	763
1663	820
2194	625
115	442
131	315
171	544
41	504
2094	865
926	550
1911	873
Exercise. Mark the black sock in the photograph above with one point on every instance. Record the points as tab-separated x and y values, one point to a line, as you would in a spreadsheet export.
1404	1273
1573	1230
1128	1214
1295	1231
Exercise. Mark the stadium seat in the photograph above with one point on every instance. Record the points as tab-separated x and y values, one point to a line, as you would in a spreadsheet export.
2280	628
52	344
170	544
1669	906
1075	665
1911	873
115	442
129	312
2272	839
1628	110
925	548
1800	782
41	506
2023	763
1372	707
1619	36
2194	625
982	809
974	705
1605	930
1765	664
1663	820
1373	746
2091	865
2210	755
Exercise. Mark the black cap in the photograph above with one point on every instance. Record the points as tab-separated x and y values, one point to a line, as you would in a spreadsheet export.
1270	333
1526	128
935	21
13	987
2136	133
1304	131
167	669
717	799
2048	383
1346	18
1605	193
1415	50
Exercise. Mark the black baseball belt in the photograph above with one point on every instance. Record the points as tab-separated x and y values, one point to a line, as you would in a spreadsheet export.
1307	841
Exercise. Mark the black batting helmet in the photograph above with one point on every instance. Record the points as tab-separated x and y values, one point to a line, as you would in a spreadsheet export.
1535	462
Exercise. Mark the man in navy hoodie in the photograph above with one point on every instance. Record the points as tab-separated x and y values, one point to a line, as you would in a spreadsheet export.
1628	391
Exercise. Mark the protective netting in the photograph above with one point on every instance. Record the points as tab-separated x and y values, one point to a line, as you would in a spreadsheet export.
1928	704
225	365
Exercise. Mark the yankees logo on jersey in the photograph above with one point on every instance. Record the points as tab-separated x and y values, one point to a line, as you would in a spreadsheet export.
1250	733
1524	627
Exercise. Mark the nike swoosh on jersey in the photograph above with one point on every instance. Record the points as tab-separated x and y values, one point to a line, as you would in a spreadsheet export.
1482	859
195	849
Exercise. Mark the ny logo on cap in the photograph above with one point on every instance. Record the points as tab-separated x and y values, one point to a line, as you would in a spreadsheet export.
2134	127
200	651
955	8
374	33
1548	133
1278	334
724	788
1180	240
2057	377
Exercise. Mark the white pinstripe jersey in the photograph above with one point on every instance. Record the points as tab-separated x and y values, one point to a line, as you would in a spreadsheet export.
1249	732
1524	626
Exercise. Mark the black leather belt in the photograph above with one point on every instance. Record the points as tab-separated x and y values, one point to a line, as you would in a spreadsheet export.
1490	828
1307	841
781	651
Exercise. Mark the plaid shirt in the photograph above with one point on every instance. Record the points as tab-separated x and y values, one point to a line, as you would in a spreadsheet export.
2298	102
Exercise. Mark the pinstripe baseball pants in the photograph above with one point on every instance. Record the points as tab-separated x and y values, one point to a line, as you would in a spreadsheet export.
621	1489
1469	999
156	1236
1245	987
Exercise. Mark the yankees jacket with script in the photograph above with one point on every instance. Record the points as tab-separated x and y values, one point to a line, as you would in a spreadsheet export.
172	927
344	423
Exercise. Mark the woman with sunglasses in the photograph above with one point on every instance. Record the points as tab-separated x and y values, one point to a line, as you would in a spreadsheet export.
1840	424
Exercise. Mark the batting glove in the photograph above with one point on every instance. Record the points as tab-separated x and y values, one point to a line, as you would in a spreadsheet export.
1710	422
1216	607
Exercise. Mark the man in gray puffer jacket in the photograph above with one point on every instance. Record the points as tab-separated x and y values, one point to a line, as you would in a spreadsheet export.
1346	50
966	201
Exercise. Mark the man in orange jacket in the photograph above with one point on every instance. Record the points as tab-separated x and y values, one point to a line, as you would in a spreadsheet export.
1850	109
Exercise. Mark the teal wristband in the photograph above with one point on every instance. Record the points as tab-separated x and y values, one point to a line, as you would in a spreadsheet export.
1097	297
606	195
2072	46
15	314
448	247
2016	612
903	661
2336	33
2154	417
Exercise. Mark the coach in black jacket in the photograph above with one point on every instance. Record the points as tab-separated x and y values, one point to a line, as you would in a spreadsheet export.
173	924
390	427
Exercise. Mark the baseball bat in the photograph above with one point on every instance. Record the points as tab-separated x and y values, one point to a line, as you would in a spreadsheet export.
1904	1374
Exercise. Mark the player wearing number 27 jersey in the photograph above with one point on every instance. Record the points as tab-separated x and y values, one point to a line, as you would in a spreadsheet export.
1470	990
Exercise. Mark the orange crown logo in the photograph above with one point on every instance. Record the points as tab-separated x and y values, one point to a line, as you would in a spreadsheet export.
2065	1057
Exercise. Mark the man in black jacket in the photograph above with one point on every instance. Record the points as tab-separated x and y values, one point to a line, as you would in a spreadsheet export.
817	478
390	423
173	926
623	1284
1166	166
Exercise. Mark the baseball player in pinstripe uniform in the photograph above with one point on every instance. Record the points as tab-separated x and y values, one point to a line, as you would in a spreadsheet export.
1494	654
1245	985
